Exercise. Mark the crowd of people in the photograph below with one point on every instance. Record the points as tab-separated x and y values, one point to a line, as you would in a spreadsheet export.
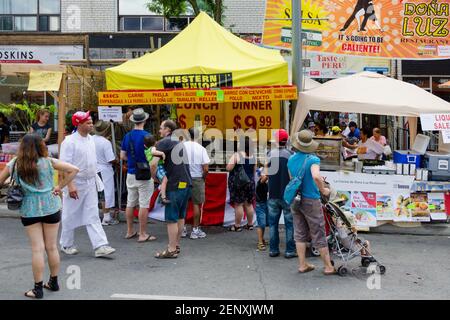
86	164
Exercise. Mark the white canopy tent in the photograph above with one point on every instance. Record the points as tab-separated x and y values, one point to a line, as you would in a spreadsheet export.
370	93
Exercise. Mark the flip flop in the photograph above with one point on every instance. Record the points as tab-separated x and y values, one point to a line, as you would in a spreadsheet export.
330	273
308	269
134	235
149	238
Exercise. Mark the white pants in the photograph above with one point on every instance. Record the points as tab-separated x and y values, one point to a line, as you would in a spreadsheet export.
95	231
108	181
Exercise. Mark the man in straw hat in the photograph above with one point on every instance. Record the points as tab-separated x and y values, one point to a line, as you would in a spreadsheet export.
105	160
139	191
309	224
80	203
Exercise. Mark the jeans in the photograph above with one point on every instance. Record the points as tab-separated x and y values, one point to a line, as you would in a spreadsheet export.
261	214
276	206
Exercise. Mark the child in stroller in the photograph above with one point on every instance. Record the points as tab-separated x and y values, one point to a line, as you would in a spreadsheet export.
343	238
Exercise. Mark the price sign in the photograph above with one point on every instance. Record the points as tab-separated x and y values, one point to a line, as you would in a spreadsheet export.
255	115
210	114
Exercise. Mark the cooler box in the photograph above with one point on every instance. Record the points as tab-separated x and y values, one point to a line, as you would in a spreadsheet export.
438	165
408	157
413	156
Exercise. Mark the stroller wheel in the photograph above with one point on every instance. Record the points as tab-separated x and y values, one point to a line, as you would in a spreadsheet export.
342	271
365	262
381	269
315	252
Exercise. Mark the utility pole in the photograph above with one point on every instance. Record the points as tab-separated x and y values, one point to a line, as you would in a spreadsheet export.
297	66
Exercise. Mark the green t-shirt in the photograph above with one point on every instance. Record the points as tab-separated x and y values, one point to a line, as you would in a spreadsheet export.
149	156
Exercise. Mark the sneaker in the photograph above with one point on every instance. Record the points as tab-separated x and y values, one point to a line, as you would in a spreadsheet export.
104	251
110	222
69	250
197	233
184	233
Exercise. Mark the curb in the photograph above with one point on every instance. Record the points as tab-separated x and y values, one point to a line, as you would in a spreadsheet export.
441	229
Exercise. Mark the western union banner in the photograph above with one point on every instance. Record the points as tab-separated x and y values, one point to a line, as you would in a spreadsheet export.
403	29
121	98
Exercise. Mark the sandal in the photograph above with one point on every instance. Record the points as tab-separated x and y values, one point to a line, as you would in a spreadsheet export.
308	269
52	284
235	229
178	250
261	246
249	227
149	238
36	293
166	254
134	235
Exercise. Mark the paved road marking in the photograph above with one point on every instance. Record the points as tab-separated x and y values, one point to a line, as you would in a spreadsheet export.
155	297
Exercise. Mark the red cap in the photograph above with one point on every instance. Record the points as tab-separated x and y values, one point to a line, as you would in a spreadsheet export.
79	117
281	135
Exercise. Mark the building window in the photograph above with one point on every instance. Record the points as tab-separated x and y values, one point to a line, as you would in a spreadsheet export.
25	23
30	15
49	6
153	23
131	23
176	24
6	23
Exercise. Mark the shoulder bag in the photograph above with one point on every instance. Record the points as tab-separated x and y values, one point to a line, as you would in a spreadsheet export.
142	168
14	195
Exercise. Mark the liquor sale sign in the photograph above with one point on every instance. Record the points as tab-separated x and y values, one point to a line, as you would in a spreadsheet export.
402	29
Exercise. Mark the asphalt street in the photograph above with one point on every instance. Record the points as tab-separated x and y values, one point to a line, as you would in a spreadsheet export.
225	265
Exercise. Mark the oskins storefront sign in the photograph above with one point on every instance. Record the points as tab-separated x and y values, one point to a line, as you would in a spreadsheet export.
39	54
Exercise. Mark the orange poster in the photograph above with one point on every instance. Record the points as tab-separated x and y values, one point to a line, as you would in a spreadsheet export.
401	29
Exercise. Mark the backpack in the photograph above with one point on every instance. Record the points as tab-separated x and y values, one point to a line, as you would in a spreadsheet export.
293	187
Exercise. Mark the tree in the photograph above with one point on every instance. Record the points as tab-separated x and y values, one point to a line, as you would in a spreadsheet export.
175	8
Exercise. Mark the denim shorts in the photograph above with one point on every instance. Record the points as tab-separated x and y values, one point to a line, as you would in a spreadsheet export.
160	172
262	214
176	209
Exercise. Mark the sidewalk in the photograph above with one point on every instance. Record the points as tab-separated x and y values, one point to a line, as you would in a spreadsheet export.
426	229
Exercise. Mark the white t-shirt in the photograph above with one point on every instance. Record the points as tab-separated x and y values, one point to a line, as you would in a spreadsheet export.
80	151
197	156
105	153
369	150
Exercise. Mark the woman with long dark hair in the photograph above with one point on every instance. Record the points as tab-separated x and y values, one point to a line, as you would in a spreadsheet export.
40	210
243	197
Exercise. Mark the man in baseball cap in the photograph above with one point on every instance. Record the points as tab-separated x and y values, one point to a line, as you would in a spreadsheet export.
80	204
80	117
276	170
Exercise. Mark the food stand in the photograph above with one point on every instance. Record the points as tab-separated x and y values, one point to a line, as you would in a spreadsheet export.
404	199
215	80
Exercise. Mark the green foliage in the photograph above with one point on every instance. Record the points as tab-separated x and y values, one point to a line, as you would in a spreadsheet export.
24	113
175	8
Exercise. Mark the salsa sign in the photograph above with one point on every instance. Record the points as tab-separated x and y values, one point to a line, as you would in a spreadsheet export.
402	29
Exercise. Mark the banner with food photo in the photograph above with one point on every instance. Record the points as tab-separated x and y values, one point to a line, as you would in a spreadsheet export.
436	204
401	211
385	210
419	207
402	29
364	208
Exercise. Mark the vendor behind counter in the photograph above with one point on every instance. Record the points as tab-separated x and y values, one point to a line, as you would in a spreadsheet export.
368	149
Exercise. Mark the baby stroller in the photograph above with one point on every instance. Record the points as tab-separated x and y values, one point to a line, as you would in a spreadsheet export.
343	241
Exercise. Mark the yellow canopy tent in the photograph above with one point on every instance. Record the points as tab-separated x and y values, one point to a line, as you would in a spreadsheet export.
203	55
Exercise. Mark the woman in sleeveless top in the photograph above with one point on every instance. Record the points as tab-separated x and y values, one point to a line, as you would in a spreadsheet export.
40	209
243	197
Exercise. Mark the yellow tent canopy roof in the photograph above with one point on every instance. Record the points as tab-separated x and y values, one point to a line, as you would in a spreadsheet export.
203	55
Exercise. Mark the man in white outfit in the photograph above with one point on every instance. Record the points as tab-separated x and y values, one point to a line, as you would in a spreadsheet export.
105	159
80	201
